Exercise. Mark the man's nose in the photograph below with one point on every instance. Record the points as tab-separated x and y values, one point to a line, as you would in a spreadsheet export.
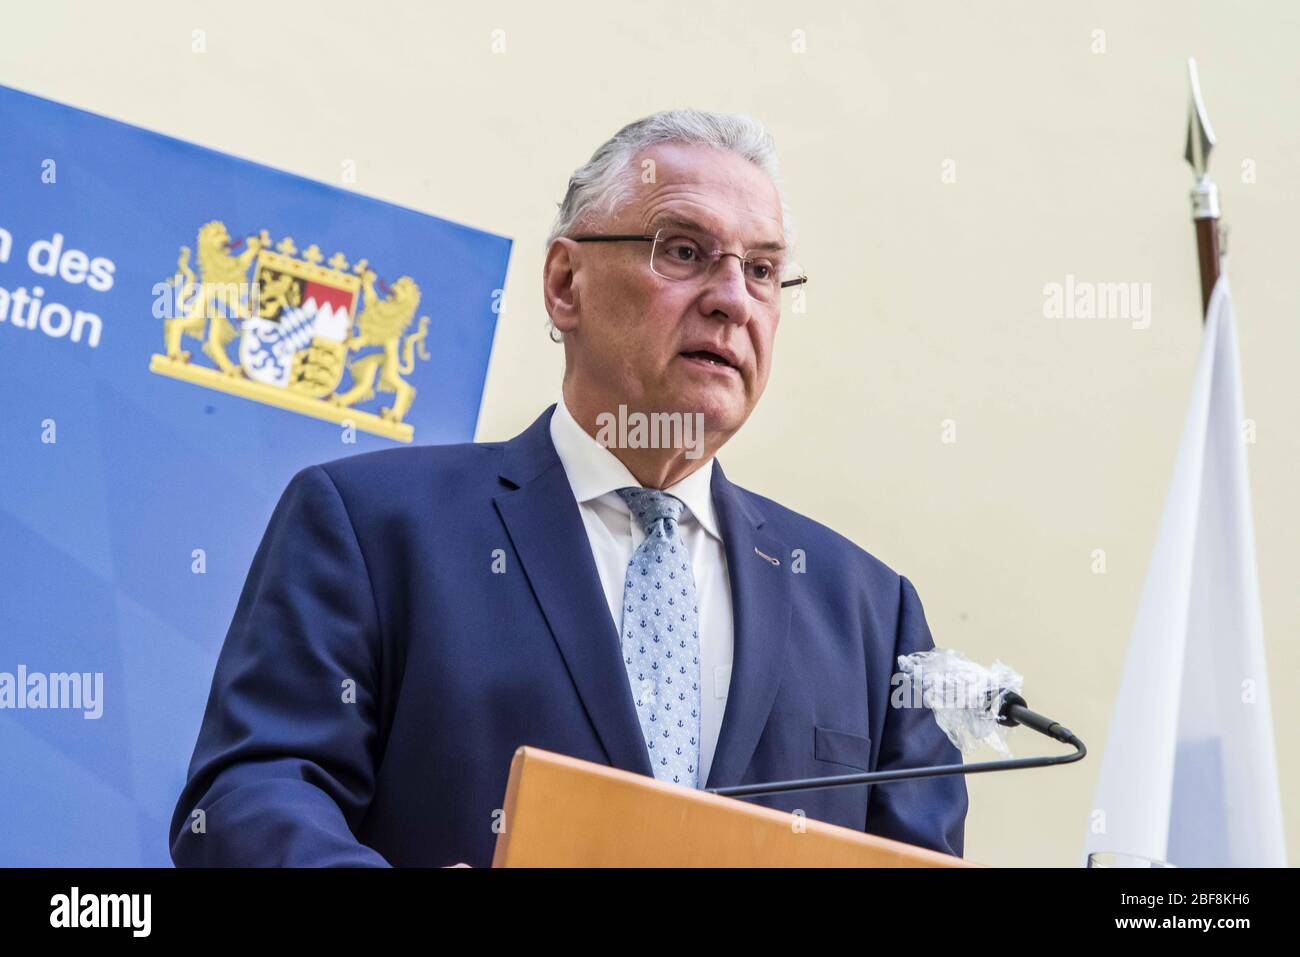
726	295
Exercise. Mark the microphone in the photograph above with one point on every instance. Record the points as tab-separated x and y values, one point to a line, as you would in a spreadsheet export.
971	703
1015	711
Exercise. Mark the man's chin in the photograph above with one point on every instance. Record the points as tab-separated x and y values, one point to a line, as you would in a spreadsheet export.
723	411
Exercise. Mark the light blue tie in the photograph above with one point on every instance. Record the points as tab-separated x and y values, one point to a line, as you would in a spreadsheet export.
661	638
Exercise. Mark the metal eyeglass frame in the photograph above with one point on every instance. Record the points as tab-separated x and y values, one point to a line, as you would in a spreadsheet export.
717	256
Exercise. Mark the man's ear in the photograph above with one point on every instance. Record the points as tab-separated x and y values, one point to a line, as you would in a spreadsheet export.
559	289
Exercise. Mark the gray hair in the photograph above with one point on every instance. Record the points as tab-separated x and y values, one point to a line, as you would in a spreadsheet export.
604	182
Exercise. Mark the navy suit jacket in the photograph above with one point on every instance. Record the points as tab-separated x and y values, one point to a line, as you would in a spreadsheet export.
414	615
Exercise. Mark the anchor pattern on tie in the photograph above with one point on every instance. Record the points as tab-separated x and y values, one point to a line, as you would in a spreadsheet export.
661	637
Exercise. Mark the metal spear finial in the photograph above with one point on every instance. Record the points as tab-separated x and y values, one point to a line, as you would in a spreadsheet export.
1200	141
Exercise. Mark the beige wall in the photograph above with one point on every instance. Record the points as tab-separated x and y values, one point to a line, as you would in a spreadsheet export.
926	297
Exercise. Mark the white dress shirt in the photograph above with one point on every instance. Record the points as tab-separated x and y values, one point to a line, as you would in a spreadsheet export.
594	474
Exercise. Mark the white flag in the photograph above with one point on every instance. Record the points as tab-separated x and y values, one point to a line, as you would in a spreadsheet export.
1189	774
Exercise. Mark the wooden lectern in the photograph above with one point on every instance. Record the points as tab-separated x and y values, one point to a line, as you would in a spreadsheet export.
564	812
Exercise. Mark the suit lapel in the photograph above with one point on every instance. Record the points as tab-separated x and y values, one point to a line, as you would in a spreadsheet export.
546	529
760	598
545	526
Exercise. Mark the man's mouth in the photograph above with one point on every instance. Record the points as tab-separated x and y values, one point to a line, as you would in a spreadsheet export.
714	359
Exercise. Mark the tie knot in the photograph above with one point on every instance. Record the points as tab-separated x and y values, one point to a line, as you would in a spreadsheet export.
649	505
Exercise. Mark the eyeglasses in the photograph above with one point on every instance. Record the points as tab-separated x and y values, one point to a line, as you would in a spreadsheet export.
686	255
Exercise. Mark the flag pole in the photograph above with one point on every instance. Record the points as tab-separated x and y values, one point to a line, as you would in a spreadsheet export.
1205	195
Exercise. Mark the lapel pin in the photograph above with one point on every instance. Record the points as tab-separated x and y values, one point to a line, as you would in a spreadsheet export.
774	561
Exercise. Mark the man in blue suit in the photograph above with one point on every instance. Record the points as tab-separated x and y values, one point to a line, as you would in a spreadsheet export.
412	616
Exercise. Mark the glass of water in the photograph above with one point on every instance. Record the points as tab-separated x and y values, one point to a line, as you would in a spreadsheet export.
1117	859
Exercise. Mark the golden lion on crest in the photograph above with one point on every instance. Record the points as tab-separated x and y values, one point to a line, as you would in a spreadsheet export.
217	296
382	323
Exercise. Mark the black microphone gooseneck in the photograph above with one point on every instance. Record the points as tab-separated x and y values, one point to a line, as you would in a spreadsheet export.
1014	711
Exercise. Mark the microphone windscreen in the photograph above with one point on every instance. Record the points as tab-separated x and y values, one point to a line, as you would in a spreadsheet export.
964	696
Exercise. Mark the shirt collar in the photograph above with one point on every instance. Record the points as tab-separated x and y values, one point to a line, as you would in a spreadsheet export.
594	471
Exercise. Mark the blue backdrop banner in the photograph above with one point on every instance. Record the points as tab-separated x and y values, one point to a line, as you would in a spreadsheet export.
180	332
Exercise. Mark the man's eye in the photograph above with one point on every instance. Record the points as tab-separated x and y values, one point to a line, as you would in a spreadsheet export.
684	251
761	270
